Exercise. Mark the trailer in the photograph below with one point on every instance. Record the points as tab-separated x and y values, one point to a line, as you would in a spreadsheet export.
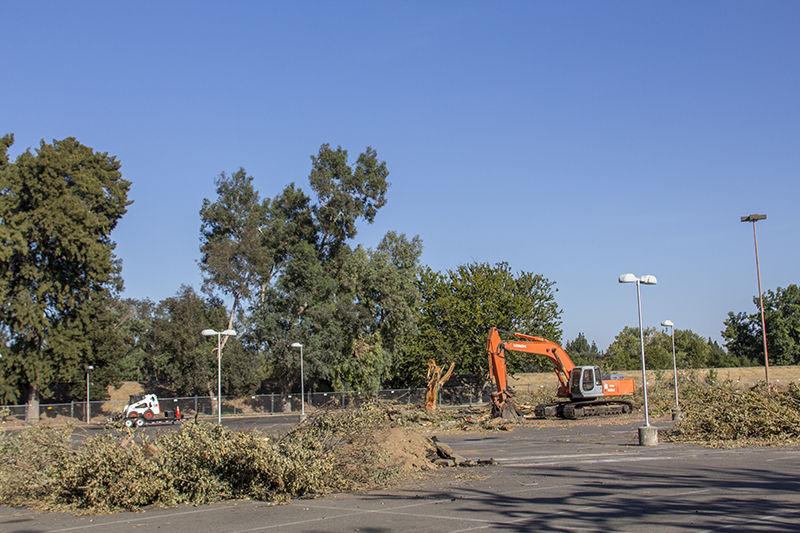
146	411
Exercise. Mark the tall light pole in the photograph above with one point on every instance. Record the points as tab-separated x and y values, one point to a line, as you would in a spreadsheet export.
643	280
219	334
302	382
755	218
676	413
89	369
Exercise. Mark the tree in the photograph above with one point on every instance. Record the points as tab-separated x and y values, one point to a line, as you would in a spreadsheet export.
58	208
234	260
352	308
581	351
743	335
183	362
691	351
287	266
345	194
458	308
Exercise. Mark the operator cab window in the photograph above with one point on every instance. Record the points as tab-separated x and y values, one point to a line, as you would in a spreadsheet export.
588	379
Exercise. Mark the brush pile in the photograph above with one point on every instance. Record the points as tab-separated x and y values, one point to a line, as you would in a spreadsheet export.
723	415
332	451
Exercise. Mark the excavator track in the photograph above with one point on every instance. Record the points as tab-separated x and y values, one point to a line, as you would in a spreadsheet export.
575	410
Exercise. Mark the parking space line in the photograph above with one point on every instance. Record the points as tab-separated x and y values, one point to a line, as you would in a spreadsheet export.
140	519
567	456
595	461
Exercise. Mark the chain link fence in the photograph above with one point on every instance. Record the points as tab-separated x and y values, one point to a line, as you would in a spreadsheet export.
255	405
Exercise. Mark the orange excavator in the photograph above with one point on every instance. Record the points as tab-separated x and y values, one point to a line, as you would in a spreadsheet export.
587	393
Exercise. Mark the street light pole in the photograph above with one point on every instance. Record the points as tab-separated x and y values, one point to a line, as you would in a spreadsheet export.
671	326
219	379
755	218
302	383
219	334
647	437
89	369
641	348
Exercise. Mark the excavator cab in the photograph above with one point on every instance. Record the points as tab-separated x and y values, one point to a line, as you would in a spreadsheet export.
585	382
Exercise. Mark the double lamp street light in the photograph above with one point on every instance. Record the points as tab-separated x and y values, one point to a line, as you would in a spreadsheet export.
219	334
232	333
647	435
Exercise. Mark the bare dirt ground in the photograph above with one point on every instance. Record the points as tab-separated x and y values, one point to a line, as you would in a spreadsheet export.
746	376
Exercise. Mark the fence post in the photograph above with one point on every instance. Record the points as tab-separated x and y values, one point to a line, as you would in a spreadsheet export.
71	409
195	404
408	396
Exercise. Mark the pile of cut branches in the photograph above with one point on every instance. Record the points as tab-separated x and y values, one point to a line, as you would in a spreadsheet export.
201	463
724	415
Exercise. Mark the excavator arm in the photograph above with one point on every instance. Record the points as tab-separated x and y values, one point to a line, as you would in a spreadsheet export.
497	348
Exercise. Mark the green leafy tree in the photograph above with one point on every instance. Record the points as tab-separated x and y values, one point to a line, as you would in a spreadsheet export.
743	336
58	207
234	259
458	308
581	352
345	193
181	361
116	336
691	351
352	308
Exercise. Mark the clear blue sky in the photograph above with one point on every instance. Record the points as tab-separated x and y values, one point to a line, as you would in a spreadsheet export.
576	139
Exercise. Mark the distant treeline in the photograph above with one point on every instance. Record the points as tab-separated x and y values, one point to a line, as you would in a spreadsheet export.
278	269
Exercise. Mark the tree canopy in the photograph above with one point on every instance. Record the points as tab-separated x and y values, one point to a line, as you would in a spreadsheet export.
460	305
58	207
742	333
691	351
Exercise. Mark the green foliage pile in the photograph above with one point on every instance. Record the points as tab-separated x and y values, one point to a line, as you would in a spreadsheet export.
721	414
201	463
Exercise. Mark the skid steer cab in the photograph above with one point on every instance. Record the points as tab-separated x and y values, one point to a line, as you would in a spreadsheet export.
146	410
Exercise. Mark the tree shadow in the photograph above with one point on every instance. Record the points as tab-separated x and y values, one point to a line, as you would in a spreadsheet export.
599	502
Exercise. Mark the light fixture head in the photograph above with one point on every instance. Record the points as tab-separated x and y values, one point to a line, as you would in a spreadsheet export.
89	367
229	332
296	345
668	324
755	217
628	278
649	279
208	332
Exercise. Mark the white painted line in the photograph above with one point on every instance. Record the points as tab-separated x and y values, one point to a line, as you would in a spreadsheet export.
141	519
392	512
595	461
742	521
297	523
568	456
354	513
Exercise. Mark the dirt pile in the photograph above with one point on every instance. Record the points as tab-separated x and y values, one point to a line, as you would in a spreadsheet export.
331	452
723	415
474	418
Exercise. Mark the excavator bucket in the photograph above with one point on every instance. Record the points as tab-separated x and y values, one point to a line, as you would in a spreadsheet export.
503	406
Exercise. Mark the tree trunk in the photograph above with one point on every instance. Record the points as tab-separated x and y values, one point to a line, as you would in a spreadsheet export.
230	319
32	411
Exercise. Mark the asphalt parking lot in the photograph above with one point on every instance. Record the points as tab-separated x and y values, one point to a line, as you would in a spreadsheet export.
564	478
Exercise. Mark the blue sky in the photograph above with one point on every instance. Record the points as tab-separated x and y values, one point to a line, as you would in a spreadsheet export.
575	139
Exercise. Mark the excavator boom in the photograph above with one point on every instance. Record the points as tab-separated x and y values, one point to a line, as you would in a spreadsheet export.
583	386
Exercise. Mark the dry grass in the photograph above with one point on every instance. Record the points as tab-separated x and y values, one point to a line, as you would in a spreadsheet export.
744	376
